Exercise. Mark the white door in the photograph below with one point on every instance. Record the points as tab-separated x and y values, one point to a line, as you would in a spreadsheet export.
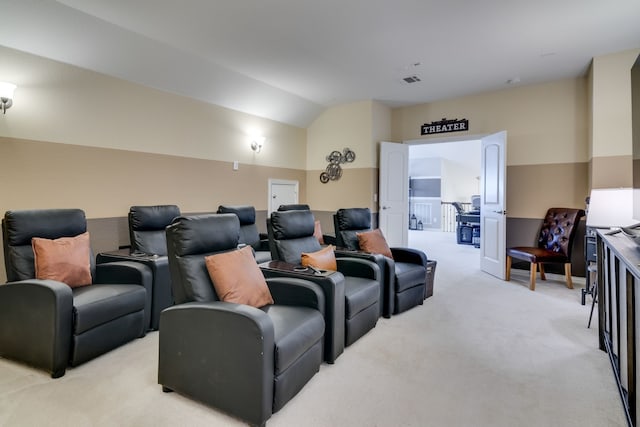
393	212
493	214
282	192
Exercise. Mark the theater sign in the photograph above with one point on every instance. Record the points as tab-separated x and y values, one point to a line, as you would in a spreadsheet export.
444	126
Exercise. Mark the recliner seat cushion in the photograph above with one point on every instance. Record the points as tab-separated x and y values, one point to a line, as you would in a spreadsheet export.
360	293
296	329
536	255
409	275
97	304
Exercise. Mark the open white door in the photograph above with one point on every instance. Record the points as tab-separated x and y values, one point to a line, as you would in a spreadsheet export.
493	214
393	212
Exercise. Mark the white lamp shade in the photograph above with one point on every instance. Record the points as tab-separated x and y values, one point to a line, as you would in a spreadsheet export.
610	207
6	90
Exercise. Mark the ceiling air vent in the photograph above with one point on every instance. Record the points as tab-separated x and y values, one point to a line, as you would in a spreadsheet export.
411	79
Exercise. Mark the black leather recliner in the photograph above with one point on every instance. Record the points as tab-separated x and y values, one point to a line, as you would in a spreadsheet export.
249	234
49	325
291	234
149	246
405	275
243	360
147	228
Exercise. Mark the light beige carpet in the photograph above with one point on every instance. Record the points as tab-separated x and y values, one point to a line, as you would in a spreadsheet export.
480	352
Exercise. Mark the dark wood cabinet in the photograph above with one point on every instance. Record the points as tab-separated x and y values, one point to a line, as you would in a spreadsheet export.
618	258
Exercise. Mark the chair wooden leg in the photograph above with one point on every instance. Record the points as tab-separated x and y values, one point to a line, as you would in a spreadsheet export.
541	268
508	275
532	276
567	275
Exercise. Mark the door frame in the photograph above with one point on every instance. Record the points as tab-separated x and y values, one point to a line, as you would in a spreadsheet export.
277	181
453	139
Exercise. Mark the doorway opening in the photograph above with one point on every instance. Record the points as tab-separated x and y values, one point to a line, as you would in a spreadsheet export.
443	175
492	192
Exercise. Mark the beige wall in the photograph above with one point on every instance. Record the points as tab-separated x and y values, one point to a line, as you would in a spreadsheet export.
82	139
547	126
545	123
105	182
359	126
610	103
60	103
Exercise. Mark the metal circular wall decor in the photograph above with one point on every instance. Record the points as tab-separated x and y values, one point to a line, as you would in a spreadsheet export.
333	172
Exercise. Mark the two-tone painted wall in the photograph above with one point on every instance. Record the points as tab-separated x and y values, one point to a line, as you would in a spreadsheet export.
76	138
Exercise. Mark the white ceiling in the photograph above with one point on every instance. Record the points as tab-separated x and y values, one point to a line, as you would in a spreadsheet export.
288	60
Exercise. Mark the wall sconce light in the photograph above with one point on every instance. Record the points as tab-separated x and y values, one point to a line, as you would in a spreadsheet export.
257	143
6	95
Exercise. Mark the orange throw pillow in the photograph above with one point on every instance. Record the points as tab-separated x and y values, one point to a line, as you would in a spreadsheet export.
237	278
66	259
317	231
324	259
374	242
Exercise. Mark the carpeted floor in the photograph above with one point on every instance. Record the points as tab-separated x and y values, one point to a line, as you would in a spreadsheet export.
480	352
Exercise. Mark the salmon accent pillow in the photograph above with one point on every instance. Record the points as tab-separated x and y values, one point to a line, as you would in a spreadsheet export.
374	242
66	259
237	278
317	232
324	259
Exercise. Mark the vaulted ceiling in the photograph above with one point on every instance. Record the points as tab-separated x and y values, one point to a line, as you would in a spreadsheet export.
288	60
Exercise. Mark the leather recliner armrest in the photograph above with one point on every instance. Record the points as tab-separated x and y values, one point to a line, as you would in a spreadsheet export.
413	256
128	273
358	268
387	270
298	292
36	317
205	347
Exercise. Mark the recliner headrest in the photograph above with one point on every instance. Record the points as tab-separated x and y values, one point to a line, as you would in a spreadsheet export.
292	224
246	214
202	234
21	225
147	218
294	207
354	219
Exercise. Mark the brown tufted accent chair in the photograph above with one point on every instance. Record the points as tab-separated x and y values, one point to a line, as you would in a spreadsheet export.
554	245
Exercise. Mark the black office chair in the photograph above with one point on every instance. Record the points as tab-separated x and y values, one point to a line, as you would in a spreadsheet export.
243	360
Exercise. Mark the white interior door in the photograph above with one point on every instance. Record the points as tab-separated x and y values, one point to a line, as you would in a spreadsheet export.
282	192
393	212
493	214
